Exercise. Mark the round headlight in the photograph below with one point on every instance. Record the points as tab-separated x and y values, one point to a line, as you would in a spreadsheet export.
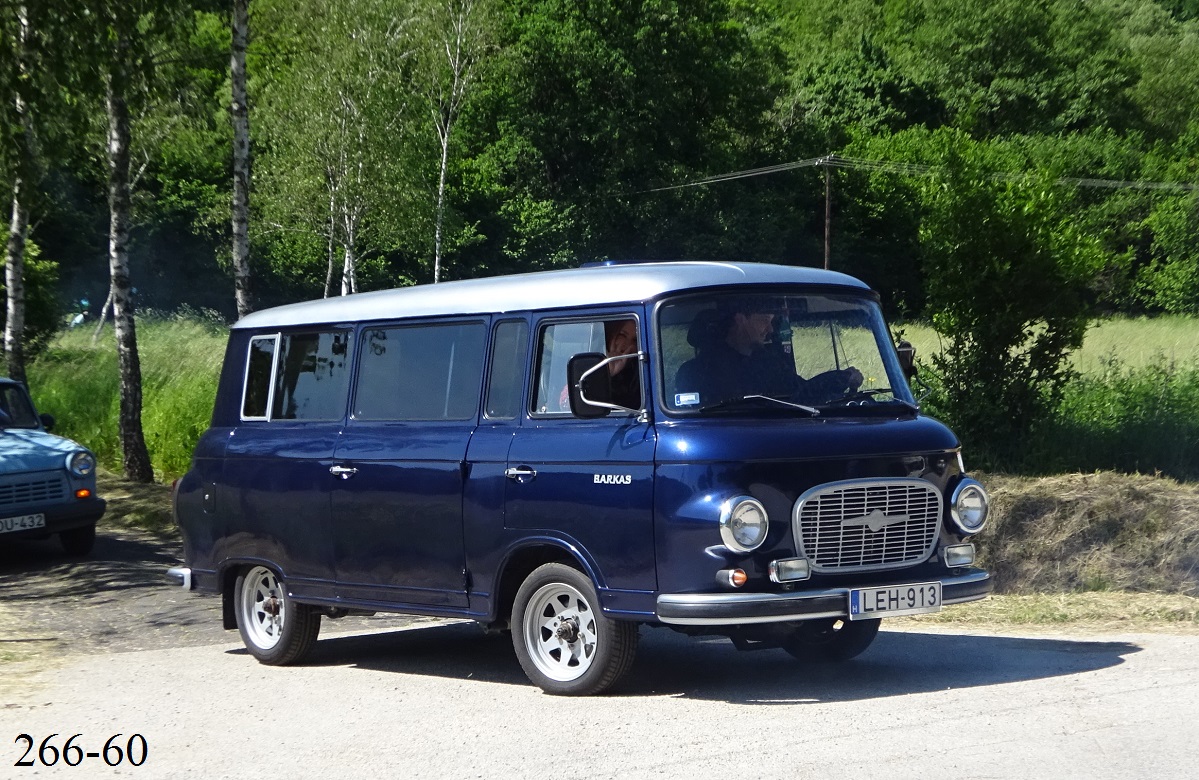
743	524
969	506
81	464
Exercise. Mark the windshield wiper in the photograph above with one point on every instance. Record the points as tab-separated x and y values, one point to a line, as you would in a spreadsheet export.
729	403
864	395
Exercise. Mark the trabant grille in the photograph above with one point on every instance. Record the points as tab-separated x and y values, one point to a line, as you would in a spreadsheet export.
860	525
33	491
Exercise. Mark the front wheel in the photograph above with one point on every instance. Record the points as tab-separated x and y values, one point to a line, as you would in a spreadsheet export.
275	629
562	639
831	640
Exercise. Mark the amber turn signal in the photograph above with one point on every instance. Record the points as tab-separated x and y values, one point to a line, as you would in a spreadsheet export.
83	493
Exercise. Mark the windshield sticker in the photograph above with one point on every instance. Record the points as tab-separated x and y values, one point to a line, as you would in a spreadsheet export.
686	399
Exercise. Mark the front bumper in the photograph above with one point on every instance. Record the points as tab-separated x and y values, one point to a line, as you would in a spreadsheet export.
732	609
59	517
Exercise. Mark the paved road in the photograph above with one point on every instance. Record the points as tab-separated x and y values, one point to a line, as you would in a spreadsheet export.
443	700
439	699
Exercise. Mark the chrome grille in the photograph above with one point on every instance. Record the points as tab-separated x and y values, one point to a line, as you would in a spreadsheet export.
35	490
862	525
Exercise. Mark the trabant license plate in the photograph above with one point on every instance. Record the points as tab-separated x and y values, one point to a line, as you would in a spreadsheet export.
893	600
22	523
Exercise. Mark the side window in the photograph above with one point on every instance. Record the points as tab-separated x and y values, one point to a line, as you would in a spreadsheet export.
420	372
506	383
260	370
562	341
312	376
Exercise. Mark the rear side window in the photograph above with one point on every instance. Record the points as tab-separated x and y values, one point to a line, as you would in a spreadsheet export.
420	372
313	375
260	371
297	376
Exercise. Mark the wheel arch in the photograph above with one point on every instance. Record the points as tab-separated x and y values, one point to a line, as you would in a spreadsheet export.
521	561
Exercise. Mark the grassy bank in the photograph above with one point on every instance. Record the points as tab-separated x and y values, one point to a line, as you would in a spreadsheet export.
77	382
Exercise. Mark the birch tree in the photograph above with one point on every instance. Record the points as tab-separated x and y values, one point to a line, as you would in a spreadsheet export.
116	38
241	157
334	117
456	33
23	175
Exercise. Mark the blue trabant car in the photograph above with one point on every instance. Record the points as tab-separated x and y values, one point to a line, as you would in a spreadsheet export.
572	456
47	483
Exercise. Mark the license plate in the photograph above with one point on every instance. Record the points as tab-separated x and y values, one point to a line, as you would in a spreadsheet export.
893	600
22	523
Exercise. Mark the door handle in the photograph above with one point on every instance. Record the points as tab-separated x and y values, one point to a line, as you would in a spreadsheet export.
520	473
345	472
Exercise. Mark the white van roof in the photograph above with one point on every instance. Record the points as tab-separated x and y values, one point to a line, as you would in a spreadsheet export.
588	286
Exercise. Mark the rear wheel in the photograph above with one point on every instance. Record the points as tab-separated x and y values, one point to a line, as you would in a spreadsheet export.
562	639
831	640
78	541
275	629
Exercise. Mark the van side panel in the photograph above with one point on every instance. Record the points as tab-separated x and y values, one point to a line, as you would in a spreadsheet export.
277	483
397	520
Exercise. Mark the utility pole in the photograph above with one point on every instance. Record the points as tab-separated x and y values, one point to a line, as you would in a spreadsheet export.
828	211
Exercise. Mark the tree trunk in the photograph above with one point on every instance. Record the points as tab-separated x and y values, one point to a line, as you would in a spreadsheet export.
241	158
14	256
331	243
14	280
440	216
105	311
133	442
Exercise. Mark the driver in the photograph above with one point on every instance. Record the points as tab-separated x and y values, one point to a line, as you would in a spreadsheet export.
741	361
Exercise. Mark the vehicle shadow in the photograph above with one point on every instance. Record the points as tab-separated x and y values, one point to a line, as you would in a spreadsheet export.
668	664
33	569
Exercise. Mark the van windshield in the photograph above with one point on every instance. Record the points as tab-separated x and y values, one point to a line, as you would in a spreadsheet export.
811	354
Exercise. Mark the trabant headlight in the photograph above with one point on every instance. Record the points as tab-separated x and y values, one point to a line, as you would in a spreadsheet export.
81	463
743	524
969	506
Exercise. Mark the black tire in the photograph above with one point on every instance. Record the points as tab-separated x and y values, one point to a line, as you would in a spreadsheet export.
562	639
78	541
831	640
275	629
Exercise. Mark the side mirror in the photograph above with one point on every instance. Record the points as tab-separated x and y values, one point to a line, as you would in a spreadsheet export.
47	421
587	386
907	359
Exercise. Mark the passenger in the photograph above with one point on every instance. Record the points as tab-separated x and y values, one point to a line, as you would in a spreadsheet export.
620	336
743	362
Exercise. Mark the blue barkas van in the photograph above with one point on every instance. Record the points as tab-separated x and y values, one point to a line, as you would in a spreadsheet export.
719	448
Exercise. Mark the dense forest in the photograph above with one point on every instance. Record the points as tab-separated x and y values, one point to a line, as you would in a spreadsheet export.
1004	170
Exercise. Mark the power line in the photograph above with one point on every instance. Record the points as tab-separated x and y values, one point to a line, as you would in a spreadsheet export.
917	169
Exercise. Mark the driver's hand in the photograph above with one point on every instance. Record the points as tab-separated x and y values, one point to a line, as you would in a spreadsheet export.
853	378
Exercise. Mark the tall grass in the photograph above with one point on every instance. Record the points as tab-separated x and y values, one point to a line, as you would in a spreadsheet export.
78	382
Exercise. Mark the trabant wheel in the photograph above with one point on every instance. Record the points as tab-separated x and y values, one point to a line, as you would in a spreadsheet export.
831	640
562	639
275	629
78	541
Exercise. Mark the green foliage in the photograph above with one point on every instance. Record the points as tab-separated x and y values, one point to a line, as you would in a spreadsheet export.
1005	271
43	313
